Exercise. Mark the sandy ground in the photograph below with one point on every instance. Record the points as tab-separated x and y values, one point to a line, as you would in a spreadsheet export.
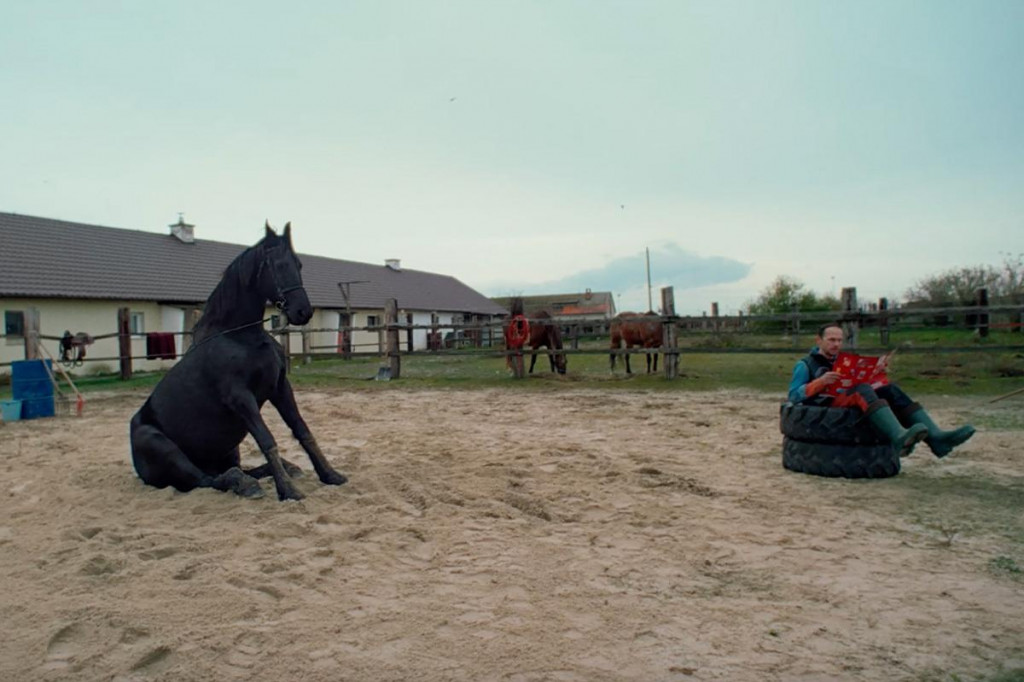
492	535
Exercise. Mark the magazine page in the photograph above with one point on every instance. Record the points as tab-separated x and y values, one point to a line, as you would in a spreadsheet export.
856	369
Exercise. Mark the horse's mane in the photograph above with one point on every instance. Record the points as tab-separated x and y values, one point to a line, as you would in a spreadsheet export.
223	301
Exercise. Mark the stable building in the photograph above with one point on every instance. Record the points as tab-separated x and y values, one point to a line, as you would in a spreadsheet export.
77	277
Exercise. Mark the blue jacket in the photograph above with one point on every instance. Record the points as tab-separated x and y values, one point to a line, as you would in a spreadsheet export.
807	369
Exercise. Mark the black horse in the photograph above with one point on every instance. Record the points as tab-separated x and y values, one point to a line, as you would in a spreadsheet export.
544	332
187	433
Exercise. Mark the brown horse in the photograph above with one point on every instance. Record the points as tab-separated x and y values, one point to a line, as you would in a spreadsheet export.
544	332
633	329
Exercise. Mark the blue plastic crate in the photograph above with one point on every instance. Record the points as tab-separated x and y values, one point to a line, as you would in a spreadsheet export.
34	408
31	384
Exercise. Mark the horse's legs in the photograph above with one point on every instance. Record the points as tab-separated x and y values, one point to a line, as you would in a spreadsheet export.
284	401
629	370
533	360
159	462
263	470
243	403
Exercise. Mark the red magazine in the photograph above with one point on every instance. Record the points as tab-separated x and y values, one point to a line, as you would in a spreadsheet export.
859	369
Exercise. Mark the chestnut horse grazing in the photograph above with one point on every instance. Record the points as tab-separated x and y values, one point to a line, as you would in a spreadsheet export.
544	332
187	433
635	330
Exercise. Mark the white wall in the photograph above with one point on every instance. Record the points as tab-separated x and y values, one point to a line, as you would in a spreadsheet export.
99	318
96	318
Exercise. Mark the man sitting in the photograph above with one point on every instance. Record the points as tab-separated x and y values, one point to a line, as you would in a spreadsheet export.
889	410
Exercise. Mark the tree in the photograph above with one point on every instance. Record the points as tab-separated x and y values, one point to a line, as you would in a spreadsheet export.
786	294
959	286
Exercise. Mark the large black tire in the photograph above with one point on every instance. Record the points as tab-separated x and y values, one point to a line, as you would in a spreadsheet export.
837	460
818	424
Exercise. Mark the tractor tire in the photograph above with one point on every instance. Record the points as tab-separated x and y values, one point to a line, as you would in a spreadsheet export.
819	424
840	460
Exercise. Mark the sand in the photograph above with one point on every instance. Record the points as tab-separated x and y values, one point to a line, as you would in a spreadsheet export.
504	535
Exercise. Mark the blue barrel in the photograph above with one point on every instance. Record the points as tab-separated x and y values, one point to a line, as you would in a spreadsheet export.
31	384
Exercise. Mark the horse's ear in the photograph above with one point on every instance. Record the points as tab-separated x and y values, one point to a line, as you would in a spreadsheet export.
270	230
288	232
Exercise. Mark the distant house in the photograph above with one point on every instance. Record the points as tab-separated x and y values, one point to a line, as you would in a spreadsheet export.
569	309
77	276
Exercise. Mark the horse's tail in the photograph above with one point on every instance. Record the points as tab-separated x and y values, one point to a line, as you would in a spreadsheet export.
555	339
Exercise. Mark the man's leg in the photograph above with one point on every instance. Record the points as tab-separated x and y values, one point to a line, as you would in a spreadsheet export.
882	418
939	440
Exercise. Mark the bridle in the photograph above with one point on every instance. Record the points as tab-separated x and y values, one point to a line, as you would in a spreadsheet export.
280	292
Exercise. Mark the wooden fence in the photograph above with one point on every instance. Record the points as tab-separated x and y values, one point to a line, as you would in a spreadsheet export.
855	319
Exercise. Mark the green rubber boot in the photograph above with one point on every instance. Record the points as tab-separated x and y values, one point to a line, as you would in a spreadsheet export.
941	442
885	422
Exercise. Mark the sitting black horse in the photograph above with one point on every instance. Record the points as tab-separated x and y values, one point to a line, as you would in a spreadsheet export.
187	433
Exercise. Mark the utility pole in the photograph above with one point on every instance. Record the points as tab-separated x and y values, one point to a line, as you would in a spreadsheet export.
649	304
345	291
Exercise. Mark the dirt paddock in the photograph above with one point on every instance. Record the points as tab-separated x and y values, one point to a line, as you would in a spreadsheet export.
501	535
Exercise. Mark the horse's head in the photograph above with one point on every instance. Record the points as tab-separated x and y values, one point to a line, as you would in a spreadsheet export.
560	363
280	276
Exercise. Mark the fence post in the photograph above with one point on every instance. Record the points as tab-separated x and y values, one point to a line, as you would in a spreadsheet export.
670	357
714	316
981	299
849	300
794	324
191	320
347	331
435	335
31	330
391	347
883	322
307	349
124	342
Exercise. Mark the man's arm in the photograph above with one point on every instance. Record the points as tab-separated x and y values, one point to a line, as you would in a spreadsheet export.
801	387
798	384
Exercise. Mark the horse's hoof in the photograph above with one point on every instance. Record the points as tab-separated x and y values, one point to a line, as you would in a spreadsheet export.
333	478
247	486
253	491
290	494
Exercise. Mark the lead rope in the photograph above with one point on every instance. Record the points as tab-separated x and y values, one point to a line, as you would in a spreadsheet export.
228	331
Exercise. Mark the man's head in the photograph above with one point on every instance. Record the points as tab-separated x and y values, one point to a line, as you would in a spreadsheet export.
830	339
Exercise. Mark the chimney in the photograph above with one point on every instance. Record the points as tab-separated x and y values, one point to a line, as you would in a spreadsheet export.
182	230
394	264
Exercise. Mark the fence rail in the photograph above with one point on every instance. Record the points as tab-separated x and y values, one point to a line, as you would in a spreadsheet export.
487	337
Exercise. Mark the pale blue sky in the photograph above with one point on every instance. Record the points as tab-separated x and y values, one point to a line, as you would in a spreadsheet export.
526	147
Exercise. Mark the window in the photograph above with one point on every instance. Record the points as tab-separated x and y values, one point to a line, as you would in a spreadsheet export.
275	322
14	323
137	323
373	320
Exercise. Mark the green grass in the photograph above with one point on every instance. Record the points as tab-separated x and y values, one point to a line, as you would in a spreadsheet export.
708	361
